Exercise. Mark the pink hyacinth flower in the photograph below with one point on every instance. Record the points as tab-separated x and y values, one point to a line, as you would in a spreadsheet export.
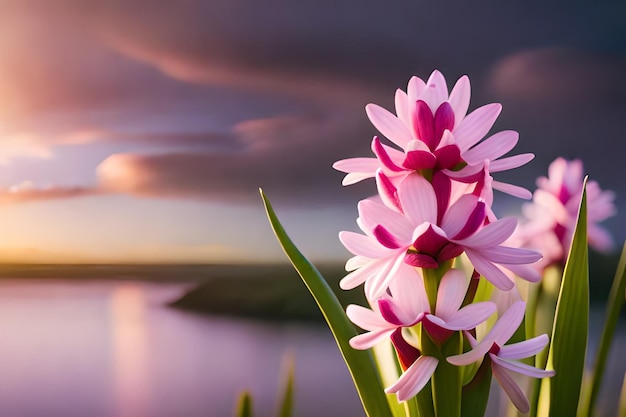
407	305
413	236
553	212
432	131
504	357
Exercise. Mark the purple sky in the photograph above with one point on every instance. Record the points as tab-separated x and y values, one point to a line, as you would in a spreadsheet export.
141	130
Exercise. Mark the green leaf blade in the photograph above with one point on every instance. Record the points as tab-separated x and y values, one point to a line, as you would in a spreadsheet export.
360	363
614	306
560	394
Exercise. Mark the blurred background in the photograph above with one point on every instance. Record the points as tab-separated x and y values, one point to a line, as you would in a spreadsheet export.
134	136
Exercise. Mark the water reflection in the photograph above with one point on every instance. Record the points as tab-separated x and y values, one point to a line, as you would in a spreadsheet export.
100	348
129	350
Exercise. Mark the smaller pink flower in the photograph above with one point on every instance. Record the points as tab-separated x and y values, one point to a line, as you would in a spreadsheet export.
504	357
553	212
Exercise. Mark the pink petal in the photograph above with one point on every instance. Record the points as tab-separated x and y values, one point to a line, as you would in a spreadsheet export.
511	189
451	293
420	260
506	325
365	318
492	234
492	148
470	316
474	355
402	107
524	349
387	191
522	368
526	272
354	177
436	91
511	162
359	276
363	245
356	262
476	125
460	99
383	156
474	220
506	255
391	313
388	124
418	160
414	378
443	120
408	291
372	213
385	238
448	156
455	218
506	381
369	339
424	124
379	283
415	89
418	199
491	272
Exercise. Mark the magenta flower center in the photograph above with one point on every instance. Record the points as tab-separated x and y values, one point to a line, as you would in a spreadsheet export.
431	249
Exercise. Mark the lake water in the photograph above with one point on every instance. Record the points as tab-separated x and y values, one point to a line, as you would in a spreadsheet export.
113	348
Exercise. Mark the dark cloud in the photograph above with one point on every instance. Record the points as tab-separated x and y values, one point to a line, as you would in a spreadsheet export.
242	94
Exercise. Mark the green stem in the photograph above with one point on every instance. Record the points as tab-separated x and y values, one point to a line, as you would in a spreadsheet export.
446	380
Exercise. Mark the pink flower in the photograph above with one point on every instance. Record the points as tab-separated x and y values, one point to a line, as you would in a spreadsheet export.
407	305
411	234
433	132
552	214
503	357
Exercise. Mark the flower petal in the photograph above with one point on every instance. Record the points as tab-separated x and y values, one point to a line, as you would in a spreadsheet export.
514	190
403	107
369	339
451	293
492	234
511	162
492	148
490	271
460	99
388	124
418	199
363	245
524	349
414	378
522	368
508	384
470	316
476	125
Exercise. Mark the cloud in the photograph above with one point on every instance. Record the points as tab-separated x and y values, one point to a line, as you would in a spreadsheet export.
28	192
560	76
289	157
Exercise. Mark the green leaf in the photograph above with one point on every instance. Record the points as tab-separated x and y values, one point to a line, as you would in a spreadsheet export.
244	405
559	395
616	301
286	405
475	395
360	363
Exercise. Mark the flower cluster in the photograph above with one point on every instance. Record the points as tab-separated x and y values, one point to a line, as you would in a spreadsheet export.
430	241
552	213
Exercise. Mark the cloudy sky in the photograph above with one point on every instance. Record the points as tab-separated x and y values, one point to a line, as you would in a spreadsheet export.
142	130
